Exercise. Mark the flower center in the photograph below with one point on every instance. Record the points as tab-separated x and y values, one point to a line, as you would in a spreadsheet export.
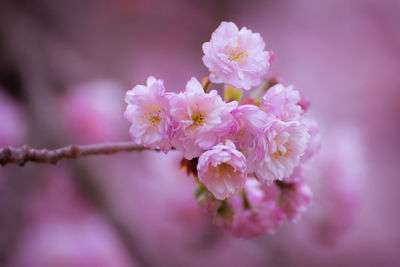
242	130
278	154
155	120
237	54
151	115
198	119
222	169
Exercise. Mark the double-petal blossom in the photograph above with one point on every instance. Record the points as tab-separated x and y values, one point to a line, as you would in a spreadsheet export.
282	102
201	120
222	170
236	57
278	150
251	122
148	111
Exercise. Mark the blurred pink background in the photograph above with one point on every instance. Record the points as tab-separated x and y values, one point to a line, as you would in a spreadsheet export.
64	69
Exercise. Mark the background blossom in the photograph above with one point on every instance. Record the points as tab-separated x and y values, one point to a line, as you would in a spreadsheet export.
294	199
12	126
263	214
85	116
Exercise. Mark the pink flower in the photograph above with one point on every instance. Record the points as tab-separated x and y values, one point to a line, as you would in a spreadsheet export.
201	120
295	197
222	170
148	111
278	150
253	214
263	214
236	57
282	102
251	121
252	223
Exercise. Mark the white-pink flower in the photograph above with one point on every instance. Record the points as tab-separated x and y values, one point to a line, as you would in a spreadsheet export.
295	197
201	120
236	57
223	170
148	111
251	122
278	150
282	102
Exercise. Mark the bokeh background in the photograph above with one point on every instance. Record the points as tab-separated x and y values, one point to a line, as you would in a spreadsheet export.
64	69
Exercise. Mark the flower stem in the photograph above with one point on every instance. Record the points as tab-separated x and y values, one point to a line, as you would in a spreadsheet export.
207	85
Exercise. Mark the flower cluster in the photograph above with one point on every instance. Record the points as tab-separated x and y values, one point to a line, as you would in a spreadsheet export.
246	154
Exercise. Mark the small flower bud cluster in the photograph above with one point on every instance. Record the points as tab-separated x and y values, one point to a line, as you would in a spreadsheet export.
246	154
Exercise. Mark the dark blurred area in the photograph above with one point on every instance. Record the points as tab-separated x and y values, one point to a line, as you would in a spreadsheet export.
64	69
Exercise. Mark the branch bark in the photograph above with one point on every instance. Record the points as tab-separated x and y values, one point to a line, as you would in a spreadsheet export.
26	153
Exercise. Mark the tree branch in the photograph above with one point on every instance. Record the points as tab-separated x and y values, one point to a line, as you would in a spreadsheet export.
26	153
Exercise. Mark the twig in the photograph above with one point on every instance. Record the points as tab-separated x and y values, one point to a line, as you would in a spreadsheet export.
26	153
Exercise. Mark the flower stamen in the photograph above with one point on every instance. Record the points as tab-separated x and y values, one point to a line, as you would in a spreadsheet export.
279	153
198	119
237	54
151	115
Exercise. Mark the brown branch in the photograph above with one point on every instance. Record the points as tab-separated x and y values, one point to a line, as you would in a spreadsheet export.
26	153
